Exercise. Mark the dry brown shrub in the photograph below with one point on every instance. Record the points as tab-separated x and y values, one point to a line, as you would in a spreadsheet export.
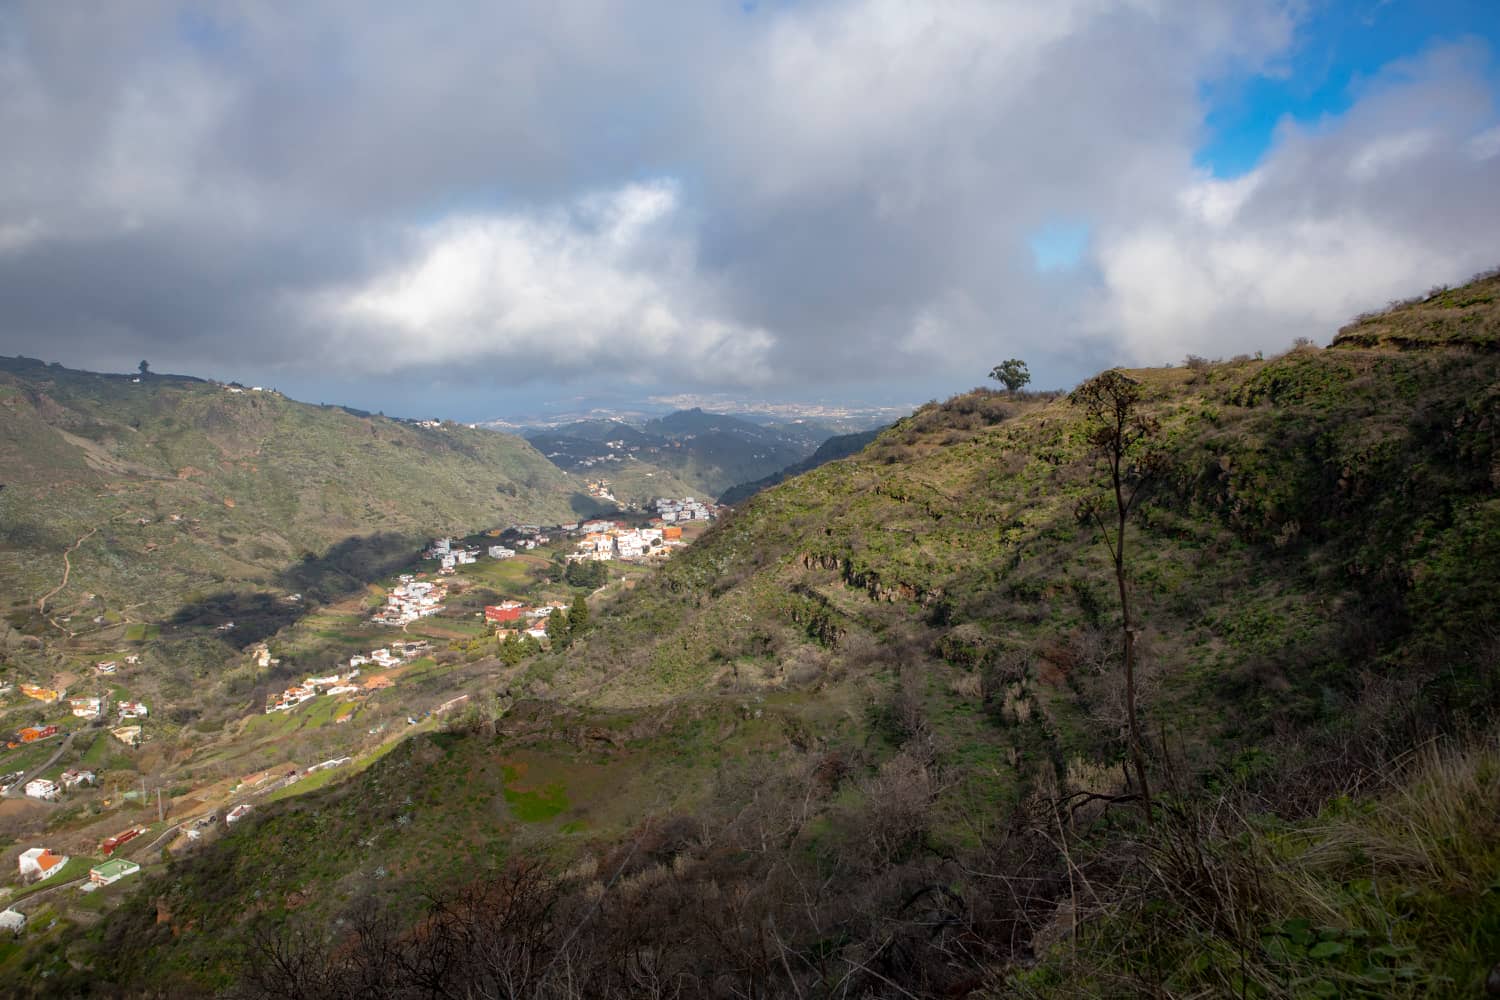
967	685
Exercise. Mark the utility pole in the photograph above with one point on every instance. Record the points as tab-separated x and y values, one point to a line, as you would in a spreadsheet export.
159	815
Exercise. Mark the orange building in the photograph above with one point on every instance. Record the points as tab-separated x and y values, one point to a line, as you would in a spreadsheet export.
40	693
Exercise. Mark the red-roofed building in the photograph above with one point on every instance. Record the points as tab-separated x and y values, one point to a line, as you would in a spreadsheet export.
38	863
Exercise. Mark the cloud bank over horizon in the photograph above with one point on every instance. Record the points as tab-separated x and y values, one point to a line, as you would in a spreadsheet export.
773	197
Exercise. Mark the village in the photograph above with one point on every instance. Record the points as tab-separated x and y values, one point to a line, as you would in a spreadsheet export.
411	600
517	619
599	539
503	585
42	868
349	683
90	708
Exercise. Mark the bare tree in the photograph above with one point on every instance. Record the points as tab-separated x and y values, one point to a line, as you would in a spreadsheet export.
1120	435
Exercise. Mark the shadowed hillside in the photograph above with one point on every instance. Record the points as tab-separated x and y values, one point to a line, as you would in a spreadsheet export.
160	487
831	450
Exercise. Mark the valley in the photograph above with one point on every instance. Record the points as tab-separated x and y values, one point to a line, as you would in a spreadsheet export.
471	529
192	763
682	453
878	698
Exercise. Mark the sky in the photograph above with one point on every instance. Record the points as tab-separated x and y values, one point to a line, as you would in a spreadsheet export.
475	210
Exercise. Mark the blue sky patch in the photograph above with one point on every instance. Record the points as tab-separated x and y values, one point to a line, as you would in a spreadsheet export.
1340	43
1058	245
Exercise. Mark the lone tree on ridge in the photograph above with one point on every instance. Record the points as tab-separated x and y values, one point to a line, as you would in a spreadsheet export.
1012	374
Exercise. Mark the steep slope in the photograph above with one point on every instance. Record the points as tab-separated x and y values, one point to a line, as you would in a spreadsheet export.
1311	512
1464	318
831	450
161	489
867	734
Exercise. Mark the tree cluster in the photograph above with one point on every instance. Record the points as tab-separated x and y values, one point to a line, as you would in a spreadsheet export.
586	574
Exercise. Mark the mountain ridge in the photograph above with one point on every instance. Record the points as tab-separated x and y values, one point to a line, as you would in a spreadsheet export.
165	487
686	451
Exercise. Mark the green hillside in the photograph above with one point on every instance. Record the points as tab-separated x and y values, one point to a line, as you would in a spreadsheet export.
831	450
868	736
169	486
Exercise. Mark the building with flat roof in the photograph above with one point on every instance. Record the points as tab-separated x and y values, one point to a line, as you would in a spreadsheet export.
112	871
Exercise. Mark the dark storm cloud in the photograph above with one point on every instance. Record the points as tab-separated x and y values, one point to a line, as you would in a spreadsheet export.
839	190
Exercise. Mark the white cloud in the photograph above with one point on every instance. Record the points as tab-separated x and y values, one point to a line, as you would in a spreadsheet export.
860	181
605	284
1339	218
1390	152
1216	202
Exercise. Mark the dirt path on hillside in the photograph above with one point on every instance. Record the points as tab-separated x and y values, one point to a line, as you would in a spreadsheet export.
41	603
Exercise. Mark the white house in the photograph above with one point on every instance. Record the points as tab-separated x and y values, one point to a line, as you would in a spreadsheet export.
13	921
133	710
41	788
73	778
39	863
85	708
238	813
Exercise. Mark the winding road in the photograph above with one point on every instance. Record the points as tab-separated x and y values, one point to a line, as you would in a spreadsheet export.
19	788
170	831
31	897
140	858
